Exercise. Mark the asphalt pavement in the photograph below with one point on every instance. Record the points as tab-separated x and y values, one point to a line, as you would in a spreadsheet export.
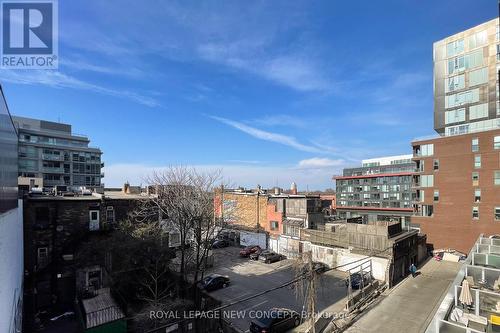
250	277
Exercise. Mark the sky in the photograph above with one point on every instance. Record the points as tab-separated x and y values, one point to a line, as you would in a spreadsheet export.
268	91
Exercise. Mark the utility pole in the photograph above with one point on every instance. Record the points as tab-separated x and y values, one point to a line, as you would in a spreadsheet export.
311	295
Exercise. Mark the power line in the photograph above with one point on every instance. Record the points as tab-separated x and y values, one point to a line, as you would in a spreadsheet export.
296	279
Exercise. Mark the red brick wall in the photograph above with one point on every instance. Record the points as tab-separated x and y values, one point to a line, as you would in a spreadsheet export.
273	215
452	225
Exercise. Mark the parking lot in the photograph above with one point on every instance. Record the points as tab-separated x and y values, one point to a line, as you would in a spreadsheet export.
250	277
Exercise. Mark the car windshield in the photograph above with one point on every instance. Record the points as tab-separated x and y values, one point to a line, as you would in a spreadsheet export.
207	279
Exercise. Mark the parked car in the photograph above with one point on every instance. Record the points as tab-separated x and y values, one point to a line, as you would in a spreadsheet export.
320	267
270	257
358	280
247	251
256	254
220	243
275	320
214	282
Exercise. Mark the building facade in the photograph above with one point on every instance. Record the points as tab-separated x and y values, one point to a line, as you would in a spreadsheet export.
11	228
50	154
242	209
380	190
466	81
457	188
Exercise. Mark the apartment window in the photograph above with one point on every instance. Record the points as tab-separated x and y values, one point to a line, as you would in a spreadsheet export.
478	111
436	195
455	48
475	144
496	142
478	39
475	213
274	225
110	214
475	178
455	83
469	96
496	178
454	116
93	220
42	255
427	150
478	76
477	195
436	164
427	181
477	161
497	213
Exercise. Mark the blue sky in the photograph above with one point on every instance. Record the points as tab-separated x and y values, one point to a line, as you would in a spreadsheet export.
269	91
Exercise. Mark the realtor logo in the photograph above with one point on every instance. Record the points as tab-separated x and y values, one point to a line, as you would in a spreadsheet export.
29	34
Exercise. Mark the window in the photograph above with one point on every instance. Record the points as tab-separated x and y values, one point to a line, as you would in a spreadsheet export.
475	144
496	178
478	111
42	255
496	142
475	212
497	213
427	150
274	225
110	214
475	179
436	195
478	76
455	48
478	39
427	181
94	220
454	83
477	161
477	195
469	96
436	164
454	116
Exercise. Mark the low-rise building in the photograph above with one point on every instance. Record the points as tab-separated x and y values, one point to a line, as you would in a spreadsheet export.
54	228
287	214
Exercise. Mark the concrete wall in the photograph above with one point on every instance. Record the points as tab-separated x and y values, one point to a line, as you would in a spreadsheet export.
253	238
11	270
336	256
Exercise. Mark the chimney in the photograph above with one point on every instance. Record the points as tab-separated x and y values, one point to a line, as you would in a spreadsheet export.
293	188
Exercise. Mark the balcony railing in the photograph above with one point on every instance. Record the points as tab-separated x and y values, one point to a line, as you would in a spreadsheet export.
50	157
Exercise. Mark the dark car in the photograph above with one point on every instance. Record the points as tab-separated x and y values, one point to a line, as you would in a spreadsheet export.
219	243
275	320
270	257
358	280
256	254
214	282
320	268
247	251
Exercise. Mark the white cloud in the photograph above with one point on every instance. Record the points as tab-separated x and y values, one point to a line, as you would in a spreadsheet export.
319	163
57	79
268	136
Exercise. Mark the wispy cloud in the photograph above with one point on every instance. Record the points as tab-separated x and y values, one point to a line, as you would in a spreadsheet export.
293	70
59	80
320	163
268	136
281	120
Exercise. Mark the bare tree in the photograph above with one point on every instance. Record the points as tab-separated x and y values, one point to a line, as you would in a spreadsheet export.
183	204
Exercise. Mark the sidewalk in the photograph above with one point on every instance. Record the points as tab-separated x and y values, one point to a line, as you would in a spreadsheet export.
410	306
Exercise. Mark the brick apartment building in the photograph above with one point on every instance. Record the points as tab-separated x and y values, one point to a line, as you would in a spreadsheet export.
457	184
457	188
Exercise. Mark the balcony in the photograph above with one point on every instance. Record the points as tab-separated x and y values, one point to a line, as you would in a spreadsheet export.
53	170
50	157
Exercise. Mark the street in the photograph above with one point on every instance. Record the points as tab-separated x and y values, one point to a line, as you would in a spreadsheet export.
250	277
